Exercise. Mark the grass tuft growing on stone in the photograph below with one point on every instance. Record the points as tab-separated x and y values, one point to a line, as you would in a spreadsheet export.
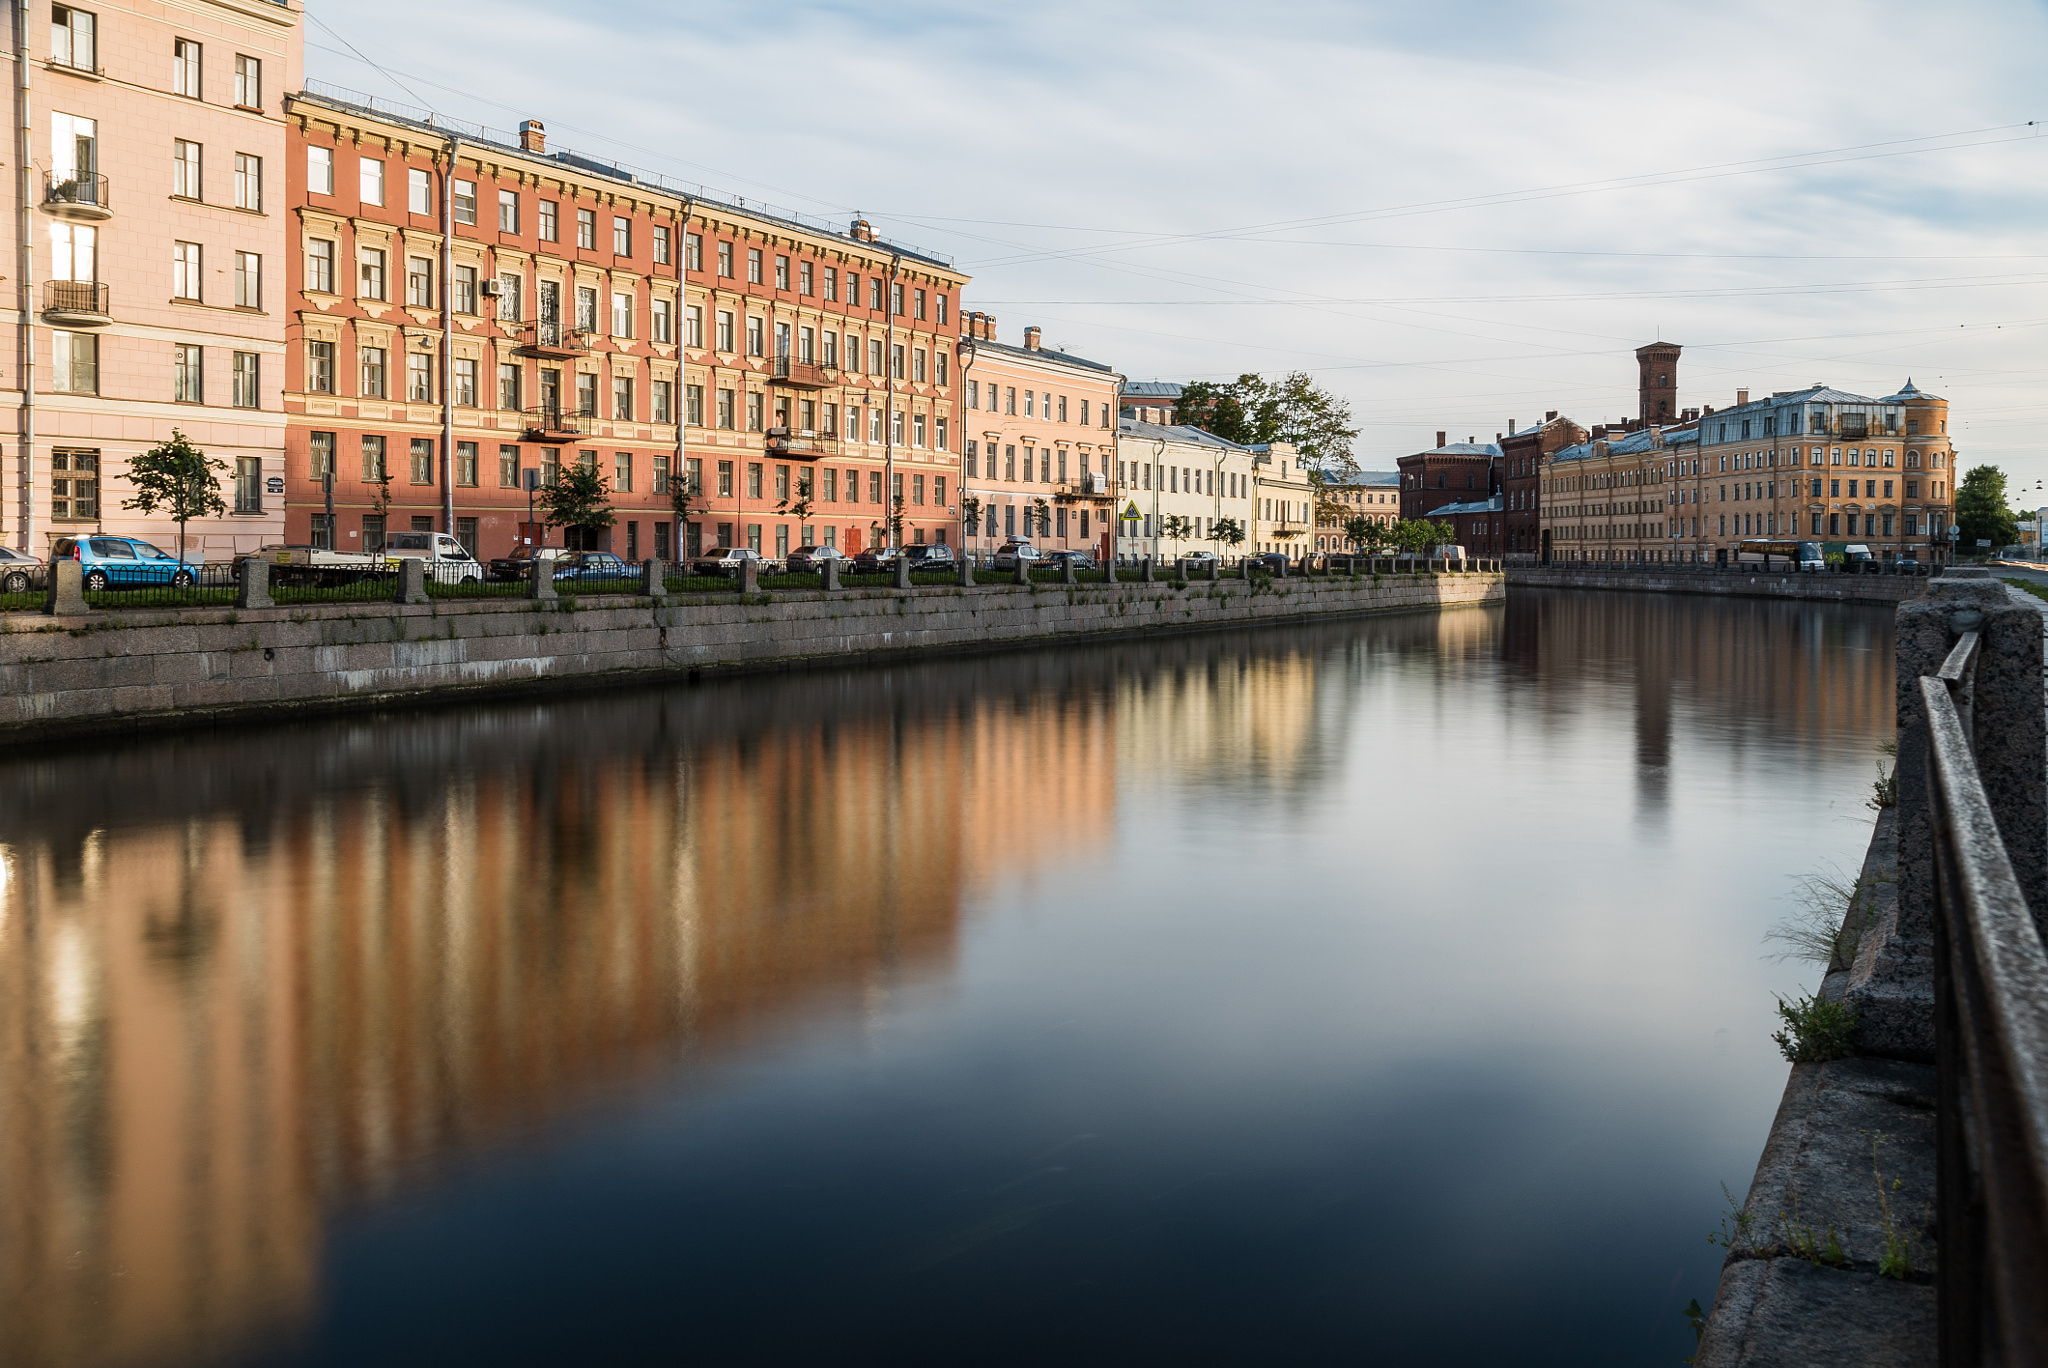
1816	1031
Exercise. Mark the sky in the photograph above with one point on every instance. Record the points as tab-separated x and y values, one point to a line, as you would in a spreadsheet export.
1453	215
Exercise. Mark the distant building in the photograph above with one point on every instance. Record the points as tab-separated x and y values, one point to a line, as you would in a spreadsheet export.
1183	473
1151	401
1476	526
1522	455
1449	472
1372	494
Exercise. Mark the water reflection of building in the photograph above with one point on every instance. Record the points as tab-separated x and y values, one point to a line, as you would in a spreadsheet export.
359	951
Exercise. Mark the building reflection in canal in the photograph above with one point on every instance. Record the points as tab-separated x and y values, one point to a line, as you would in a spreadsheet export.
248	981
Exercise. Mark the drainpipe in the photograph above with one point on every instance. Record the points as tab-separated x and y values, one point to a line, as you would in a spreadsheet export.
448	339
26	232
676	399
891	536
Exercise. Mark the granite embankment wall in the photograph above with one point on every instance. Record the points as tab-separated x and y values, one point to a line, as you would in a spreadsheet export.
1831	588
115	671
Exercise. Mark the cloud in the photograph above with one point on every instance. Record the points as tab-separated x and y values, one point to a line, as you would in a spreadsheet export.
1105	171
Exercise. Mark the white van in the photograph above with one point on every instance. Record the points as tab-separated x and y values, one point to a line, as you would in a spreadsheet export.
436	548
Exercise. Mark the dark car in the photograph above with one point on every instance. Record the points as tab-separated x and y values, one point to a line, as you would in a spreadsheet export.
725	560
935	556
814	558
1272	562
1080	560
517	563
594	565
876	560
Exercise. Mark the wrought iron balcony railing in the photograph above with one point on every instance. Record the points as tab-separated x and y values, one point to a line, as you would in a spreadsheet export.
549	337
558	425
800	446
77	196
798	374
76	303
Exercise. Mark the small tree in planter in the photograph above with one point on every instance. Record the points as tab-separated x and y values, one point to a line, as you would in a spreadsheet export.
177	478
580	498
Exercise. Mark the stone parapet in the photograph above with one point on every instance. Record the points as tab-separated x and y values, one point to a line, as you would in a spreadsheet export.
1831	588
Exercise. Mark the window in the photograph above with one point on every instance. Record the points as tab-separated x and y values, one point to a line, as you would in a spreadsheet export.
831	284
939	438
419	282
508	211
586	229
756	337
465	289
248	82
419	378
622	398
939	369
664	321
75	362
896	361
917	365
661	394
248	484
185	168
419	191
693	405
622	315
185	68
917	303
373	460
725	259
895	299
372	386
754	479
248	280
372	273
508	467
465	381
753	265
754	411
831	355
586	308
508	385
725	479
781	272
661	244
320	266
248	375
464	201
725	410
422	450
248	182
693	326
586	395
509	306
320	170
622	472
550	226
917	431
370	181
188	380
320	367
185	270
73	38
942	319
75	486
622	237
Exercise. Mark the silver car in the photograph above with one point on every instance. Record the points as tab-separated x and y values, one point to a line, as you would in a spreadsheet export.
18	570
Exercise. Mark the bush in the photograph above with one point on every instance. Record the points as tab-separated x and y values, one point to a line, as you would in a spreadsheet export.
1815	1031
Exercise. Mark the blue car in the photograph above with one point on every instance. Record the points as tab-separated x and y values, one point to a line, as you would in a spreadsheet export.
121	562
594	565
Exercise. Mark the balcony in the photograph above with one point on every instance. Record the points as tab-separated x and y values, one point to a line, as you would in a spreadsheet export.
551	340
797	374
81	198
556	425
75	304
800	446
1087	487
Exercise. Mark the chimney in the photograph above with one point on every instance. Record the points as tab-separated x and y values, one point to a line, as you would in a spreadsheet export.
1031	339
533	136
1511	427
1741	398
1440	440
988	326
1550	415
861	231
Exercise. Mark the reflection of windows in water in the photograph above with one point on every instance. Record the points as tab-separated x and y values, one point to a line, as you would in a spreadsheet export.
75	485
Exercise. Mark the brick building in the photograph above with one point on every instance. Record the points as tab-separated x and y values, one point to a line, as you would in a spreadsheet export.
1449	472
1477	525
1522	455
785	373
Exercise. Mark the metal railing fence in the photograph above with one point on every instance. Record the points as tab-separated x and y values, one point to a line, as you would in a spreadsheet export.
187	586
1991	1053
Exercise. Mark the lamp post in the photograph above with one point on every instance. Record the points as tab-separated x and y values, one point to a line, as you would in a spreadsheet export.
965	351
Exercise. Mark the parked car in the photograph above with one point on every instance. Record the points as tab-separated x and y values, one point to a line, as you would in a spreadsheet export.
932	556
810	558
517	563
17	570
1272	562
726	560
123	562
876	560
593	565
1199	557
1011	552
435	548
1080	560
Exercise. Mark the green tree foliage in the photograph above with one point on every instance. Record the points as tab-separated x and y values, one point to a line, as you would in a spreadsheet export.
177	478
1173	527
579	497
1369	535
1981	510
1252	410
1420	534
1226	532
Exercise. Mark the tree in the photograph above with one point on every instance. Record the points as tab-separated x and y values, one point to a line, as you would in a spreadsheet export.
1173	527
970	513
1252	410
580	497
1226	532
177	478
1981	510
800	509
1369	535
682	495
1420	534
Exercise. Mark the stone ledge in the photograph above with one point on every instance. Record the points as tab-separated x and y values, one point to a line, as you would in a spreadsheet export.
1787	1313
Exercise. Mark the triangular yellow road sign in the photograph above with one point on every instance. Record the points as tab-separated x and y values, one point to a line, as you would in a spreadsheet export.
1131	513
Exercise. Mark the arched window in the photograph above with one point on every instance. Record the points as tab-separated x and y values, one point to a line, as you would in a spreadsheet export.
1912	460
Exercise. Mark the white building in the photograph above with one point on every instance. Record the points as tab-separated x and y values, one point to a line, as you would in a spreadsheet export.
1181	481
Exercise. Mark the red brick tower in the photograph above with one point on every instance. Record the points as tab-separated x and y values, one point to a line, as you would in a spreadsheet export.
1657	365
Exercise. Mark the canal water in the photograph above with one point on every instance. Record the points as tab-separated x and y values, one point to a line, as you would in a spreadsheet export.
1389	991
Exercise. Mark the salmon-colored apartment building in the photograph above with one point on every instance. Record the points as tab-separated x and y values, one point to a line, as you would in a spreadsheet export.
147	253
788	374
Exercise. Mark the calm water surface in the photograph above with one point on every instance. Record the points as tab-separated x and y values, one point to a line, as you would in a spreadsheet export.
1384	991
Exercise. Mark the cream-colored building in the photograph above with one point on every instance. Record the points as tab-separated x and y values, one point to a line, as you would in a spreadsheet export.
151	293
1182	482
1283	501
1040	450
